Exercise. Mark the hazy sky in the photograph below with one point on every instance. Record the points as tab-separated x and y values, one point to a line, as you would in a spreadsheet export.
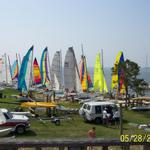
111	25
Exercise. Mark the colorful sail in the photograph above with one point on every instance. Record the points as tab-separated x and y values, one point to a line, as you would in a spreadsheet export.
44	68
85	76
90	84
99	79
36	72
25	74
118	74
15	70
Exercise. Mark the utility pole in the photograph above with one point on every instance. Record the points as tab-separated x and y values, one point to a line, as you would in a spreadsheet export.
121	120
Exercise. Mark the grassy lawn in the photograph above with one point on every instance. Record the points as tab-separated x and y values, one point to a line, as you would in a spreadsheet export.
73	126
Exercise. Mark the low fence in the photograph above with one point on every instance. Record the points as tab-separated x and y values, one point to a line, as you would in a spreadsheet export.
82	144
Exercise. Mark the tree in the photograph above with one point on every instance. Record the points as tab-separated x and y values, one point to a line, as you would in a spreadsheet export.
139	86
131	81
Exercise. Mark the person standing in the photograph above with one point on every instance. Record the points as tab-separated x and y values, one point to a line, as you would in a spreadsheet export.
91	135
105	116
116	118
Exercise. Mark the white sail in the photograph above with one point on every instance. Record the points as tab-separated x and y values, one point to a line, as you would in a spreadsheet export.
71	73
9	79
78	82
5	75
56	84
1	69
29	72
56	70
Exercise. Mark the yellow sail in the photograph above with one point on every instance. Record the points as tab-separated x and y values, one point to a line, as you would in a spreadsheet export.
99	79
114	84
84	80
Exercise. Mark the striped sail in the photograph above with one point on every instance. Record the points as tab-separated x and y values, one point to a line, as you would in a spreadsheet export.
15	70
85	76
118	74
36	72
44	68
25	74
99	79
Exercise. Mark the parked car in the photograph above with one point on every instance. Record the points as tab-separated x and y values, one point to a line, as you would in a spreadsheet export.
92	111
18	123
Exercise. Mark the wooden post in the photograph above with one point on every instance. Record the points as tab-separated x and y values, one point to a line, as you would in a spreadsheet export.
104	147
126	147
38	148
61	148
121	120
75	148
146	147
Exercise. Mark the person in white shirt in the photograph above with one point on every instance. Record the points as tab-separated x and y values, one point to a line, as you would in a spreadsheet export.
104	116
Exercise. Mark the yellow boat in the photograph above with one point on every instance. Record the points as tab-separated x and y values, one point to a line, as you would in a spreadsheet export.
38	104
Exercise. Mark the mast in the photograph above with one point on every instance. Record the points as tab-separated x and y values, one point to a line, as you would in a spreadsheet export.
6	68
61	70
20	61
49	72
17	61
103	72
82	49
31	72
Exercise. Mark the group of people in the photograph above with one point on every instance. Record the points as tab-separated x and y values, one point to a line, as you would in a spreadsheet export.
108	117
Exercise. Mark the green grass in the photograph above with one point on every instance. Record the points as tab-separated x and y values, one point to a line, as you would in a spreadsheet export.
75	127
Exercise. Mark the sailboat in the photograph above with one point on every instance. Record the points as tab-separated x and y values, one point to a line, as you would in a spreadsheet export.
56	73
99	78
85	78
71	72
118	75
36	73
25	75
45	69
5	73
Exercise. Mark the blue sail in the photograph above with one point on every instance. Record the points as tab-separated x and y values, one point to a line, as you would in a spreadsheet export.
22	85
44	67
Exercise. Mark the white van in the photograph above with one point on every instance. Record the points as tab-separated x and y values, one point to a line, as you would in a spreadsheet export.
92	111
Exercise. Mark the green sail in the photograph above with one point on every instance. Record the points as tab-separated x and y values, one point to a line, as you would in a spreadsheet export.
99	79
